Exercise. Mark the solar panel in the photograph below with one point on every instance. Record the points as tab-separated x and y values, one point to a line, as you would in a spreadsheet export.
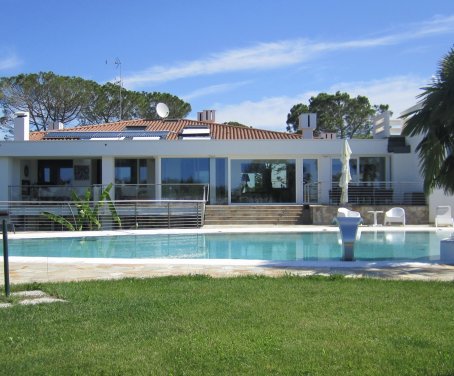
127	135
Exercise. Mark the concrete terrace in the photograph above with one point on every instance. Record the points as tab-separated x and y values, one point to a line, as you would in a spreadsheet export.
55	269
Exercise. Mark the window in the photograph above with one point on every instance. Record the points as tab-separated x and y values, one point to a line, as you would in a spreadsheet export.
126	171
184	178
185	170
55	172
336	170
262	181
370	169
133	171
221	181
310	180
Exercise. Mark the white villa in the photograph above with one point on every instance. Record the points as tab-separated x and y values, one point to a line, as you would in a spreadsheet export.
235	165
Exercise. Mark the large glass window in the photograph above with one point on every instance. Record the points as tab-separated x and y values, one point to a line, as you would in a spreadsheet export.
55	172
336	170
183	178
372	169
185	170
134	179
366	186
221	181
310	180
263	181
126	171
133	171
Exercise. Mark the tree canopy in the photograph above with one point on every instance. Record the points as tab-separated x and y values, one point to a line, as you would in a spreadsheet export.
433	119
73	100
236	124
348	117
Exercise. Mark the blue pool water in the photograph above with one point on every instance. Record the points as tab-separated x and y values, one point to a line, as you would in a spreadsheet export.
311	246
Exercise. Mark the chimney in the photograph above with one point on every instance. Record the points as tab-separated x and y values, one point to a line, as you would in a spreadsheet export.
55	126
207	116
308	124
21	126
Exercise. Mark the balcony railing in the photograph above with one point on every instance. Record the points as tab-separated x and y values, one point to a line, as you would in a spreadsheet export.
134	214
120	191
366	193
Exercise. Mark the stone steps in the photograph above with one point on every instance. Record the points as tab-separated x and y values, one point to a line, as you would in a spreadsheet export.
253	215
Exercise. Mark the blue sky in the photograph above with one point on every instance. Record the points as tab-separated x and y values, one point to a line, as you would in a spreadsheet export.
250	60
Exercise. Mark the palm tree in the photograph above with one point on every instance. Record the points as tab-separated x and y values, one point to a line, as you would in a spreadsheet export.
433	119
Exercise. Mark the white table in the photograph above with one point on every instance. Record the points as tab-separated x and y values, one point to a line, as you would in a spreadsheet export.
375	212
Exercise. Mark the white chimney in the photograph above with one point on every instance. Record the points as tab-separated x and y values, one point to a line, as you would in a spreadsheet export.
308	124
207	116
55	126
21	126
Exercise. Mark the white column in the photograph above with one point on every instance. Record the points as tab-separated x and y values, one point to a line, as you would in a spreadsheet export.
229	184
158	178
212	180
108	173
6	181
299	186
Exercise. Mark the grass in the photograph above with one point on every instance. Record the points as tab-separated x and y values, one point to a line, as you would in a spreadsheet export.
203	326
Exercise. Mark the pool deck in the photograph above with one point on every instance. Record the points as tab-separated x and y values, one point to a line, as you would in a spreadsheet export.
52	269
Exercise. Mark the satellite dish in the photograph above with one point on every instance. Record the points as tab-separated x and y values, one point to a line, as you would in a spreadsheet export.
162	110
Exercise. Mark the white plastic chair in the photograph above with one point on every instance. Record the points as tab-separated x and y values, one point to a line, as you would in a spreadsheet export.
395	215
344	212
443	216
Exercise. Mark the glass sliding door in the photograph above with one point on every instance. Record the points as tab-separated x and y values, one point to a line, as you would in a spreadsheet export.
55	172
134	179
184	178
221	182
368	184
263	181
372	169
310	180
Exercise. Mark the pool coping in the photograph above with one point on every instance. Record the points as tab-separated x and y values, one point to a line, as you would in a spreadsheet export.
222	229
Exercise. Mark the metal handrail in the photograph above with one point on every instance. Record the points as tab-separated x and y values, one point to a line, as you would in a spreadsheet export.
120	191
380	192
28	215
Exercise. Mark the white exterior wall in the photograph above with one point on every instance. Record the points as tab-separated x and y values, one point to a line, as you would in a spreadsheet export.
6	177
438	198
191	148
108	173
108	150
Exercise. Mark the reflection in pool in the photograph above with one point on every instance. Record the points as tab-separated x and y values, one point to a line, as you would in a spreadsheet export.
310	246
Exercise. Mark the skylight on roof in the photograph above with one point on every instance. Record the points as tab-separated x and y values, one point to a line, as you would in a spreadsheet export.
122	135
195	133
196	138
135	128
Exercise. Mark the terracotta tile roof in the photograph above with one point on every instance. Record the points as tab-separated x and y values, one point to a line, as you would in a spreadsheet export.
175	127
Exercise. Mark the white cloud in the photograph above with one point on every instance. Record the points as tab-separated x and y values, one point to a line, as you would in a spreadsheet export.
271	113
399	92
213	89
9	62
279	54
261	56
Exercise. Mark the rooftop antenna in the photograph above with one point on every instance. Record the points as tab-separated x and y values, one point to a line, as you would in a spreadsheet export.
118	65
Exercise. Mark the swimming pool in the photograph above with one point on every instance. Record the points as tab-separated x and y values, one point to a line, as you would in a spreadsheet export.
307	246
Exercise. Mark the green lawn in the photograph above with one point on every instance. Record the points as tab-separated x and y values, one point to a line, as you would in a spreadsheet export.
233	326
